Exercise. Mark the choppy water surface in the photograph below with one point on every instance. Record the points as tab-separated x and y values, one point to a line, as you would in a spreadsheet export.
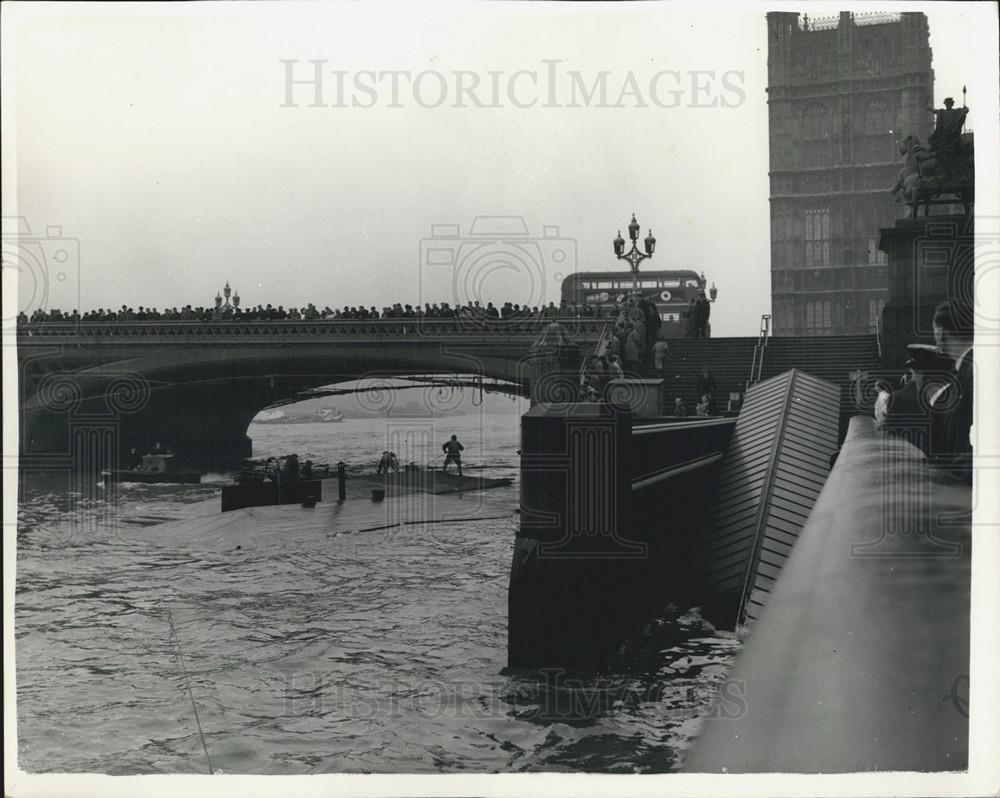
357	653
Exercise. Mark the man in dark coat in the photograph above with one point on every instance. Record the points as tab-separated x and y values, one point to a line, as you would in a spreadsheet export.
908	411
453	453
704	311
691	319
953	332
651	318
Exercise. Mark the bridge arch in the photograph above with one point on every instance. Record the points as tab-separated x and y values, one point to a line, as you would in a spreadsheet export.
199	391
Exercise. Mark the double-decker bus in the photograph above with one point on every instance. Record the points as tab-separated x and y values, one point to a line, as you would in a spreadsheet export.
670	291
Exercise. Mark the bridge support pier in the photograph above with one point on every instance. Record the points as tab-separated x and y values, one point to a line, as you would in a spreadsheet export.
609	516
211	437
204	436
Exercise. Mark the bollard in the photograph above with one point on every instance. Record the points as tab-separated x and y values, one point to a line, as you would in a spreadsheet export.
341	481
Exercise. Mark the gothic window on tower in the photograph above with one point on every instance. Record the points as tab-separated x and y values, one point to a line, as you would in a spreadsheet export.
878	121
877	118
817	235
816	135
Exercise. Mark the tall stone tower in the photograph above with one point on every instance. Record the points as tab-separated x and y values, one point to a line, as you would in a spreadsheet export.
842	92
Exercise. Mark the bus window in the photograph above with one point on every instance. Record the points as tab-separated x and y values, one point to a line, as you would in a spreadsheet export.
691	283
605	284
670	282
647	284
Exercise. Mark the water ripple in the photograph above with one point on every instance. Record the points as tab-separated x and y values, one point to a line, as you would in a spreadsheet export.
329	656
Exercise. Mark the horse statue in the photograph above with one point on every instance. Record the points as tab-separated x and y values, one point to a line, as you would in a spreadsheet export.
924	178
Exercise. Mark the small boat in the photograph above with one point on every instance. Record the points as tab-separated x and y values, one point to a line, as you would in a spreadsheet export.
329	414
154	468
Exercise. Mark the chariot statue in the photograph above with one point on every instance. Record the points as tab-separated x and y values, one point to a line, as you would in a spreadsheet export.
942	166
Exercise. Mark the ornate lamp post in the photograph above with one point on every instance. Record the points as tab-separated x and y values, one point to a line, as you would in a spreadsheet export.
222	304
634	256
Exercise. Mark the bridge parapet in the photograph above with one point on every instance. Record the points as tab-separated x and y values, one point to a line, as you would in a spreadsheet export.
860	660
327	328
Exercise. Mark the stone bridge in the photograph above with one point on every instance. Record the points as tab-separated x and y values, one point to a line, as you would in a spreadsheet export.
96	389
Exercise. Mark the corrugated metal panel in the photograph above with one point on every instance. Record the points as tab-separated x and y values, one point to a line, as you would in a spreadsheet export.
773	471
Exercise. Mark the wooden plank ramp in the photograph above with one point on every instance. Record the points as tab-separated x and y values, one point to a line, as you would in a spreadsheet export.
773	471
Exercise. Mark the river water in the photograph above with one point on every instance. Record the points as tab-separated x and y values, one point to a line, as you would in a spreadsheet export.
355	654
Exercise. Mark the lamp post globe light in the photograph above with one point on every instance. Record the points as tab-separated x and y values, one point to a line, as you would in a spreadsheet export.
223	304
634	256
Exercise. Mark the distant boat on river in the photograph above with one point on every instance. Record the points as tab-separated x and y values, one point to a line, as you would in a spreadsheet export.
325	415
153	468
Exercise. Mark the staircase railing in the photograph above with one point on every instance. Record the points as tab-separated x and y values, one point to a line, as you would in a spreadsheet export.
757	365
602	342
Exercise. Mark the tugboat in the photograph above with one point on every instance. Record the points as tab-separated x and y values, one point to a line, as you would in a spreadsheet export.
153	468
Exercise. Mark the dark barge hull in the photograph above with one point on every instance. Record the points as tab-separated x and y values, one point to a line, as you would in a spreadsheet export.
236	497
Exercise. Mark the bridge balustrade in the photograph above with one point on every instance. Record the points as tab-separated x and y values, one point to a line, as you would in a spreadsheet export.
325	327
860	661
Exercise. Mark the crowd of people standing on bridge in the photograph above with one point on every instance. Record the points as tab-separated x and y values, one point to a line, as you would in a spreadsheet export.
473	310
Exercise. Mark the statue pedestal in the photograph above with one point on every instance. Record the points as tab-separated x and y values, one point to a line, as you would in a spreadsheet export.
642	398
930	261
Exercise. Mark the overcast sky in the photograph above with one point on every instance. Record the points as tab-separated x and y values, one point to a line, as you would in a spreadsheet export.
160	142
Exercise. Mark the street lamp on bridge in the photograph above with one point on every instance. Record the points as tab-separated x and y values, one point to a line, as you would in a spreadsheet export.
227	291
634	256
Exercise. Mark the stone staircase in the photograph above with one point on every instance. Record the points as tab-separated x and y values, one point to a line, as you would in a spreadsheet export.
831	358
728	359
